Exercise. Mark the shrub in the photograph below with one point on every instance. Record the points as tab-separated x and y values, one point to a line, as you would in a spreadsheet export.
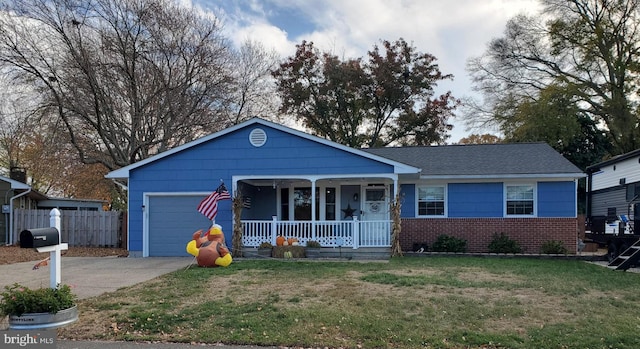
553	247
265	245
18	299
503	244
447	243
313	244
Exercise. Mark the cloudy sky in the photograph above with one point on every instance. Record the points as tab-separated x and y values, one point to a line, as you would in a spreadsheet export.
452	31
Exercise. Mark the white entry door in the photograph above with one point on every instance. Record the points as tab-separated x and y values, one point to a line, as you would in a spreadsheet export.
375	204
375	215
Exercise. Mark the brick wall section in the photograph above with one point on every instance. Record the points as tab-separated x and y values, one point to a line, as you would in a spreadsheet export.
530	233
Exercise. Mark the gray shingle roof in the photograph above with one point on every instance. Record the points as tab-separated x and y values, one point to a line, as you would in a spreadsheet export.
482	159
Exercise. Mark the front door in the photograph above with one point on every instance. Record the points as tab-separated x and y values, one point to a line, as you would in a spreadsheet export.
375	215
375	204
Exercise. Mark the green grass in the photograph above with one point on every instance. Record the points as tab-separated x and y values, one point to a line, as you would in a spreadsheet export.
422	302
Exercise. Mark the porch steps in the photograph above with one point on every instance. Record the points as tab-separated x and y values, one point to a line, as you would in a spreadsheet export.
627	258
362	253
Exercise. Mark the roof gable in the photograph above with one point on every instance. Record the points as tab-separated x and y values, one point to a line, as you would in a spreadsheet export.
614	160
399	168
483	160
15	184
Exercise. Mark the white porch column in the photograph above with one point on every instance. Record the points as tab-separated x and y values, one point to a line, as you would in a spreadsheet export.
396	190
313	209
356	232
274	229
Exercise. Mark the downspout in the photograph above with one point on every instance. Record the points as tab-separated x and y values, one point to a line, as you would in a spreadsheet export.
10	237
124	187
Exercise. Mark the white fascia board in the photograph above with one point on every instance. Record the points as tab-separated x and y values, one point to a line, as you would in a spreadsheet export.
399	168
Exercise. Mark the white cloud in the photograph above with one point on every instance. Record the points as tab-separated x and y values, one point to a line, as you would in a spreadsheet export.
270	36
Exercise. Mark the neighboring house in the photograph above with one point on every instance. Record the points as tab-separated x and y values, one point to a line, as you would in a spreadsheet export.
16	194
613	188
66	204
299	185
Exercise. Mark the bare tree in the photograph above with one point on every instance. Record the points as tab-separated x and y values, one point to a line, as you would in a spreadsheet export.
15	126
254	92
127	79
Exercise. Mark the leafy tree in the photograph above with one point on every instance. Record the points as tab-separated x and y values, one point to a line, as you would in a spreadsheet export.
475	138
555	118
389	98
589	46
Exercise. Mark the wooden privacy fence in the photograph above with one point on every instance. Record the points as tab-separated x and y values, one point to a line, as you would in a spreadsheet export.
79	228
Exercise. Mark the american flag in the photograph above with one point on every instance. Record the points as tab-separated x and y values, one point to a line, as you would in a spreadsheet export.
209	206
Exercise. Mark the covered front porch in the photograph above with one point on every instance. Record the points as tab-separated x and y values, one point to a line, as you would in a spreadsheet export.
352	234
336	211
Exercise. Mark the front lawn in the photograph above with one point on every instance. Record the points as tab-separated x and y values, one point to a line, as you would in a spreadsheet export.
409	302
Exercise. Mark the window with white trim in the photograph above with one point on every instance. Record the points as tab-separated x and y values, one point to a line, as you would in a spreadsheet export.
520	200
431	200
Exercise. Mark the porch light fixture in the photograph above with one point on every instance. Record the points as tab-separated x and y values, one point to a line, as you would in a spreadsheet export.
355	197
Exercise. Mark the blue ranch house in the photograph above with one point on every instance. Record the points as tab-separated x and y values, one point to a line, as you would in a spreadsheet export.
298	185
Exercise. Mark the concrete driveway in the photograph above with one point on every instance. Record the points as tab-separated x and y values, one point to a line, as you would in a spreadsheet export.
93	276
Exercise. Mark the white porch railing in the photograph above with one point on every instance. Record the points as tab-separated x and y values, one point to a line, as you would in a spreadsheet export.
353	234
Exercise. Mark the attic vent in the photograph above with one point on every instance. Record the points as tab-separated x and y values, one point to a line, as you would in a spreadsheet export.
258	137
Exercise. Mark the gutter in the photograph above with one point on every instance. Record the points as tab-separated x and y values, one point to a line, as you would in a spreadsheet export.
9	238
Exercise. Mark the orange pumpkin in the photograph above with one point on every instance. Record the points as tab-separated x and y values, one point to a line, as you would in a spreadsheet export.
280	240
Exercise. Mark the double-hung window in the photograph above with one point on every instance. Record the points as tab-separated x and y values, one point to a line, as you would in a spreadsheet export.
520	200
431	200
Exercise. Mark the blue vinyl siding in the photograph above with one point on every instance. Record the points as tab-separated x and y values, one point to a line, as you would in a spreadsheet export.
475	200
201	167
556	199
408	195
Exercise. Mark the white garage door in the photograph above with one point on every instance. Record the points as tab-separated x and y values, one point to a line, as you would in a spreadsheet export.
172	220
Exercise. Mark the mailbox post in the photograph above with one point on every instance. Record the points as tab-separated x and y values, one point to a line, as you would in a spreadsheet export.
56	257
47	240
